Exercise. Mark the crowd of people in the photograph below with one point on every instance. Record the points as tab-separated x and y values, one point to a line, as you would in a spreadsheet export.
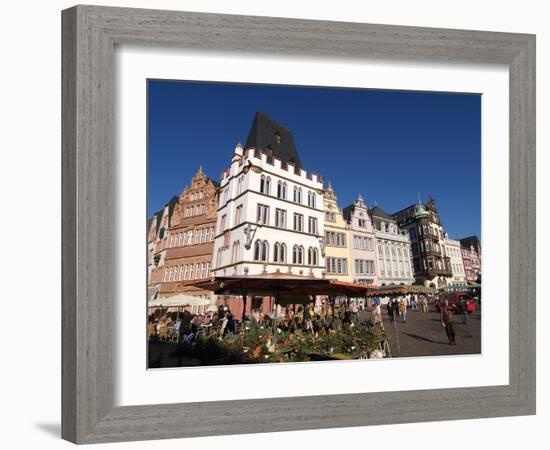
326	316
178	326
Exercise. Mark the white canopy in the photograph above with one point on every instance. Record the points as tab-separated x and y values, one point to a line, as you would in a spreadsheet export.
179	300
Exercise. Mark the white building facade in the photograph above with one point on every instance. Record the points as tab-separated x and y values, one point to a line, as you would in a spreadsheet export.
452	250
270	212
393	250
362	243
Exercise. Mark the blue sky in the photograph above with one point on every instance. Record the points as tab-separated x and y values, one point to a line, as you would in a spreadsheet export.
386	145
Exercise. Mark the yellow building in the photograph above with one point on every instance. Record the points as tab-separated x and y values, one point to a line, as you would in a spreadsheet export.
337	250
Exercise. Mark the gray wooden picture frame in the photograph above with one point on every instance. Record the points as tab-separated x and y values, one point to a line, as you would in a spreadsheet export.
90	34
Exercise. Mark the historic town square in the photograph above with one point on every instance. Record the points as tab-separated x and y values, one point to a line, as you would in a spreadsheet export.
262	264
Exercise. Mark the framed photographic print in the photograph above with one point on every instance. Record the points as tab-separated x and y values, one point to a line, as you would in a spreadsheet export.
259	209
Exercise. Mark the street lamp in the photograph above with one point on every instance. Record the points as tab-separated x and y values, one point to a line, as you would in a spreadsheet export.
250	232
322	245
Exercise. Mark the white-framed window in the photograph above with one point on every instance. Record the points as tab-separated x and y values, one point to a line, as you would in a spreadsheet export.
281	189
337	265
262	214
265	184
222	223
261	251
240	185
298	254
279	252
312	225
312	256
280	218
238	212
219	257
298	222
297	195
311	199
235	251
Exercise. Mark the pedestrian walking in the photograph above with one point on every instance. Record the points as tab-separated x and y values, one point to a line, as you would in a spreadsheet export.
463	309
447	322
389	308
354	311
424	303
395	307
403	310
376	315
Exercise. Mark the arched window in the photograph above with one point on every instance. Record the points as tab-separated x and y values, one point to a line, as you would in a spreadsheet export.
315	257
257	245
298	255
311	199
309	256
235	251
276	251
261	251
265	251
265	184
282	253
295	194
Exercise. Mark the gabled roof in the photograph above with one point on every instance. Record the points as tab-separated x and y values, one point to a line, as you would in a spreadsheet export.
268	135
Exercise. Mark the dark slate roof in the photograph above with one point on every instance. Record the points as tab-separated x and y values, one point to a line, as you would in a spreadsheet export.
347	211
267	134
379	212
470	240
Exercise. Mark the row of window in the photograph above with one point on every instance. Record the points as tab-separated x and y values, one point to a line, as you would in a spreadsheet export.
263	217
387	227
187	272
453	251
335	238
427	230
196	210
265	188
385	250
196	196
429	246
261	253
364	267
391	268
458	269
190	237
337	265
282	191
363	243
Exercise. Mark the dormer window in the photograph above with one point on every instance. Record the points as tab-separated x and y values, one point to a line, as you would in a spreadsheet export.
277	137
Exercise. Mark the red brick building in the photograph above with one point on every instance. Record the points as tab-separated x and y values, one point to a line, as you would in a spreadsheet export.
181	240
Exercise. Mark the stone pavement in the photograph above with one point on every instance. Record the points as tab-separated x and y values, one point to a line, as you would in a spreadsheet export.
423	334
